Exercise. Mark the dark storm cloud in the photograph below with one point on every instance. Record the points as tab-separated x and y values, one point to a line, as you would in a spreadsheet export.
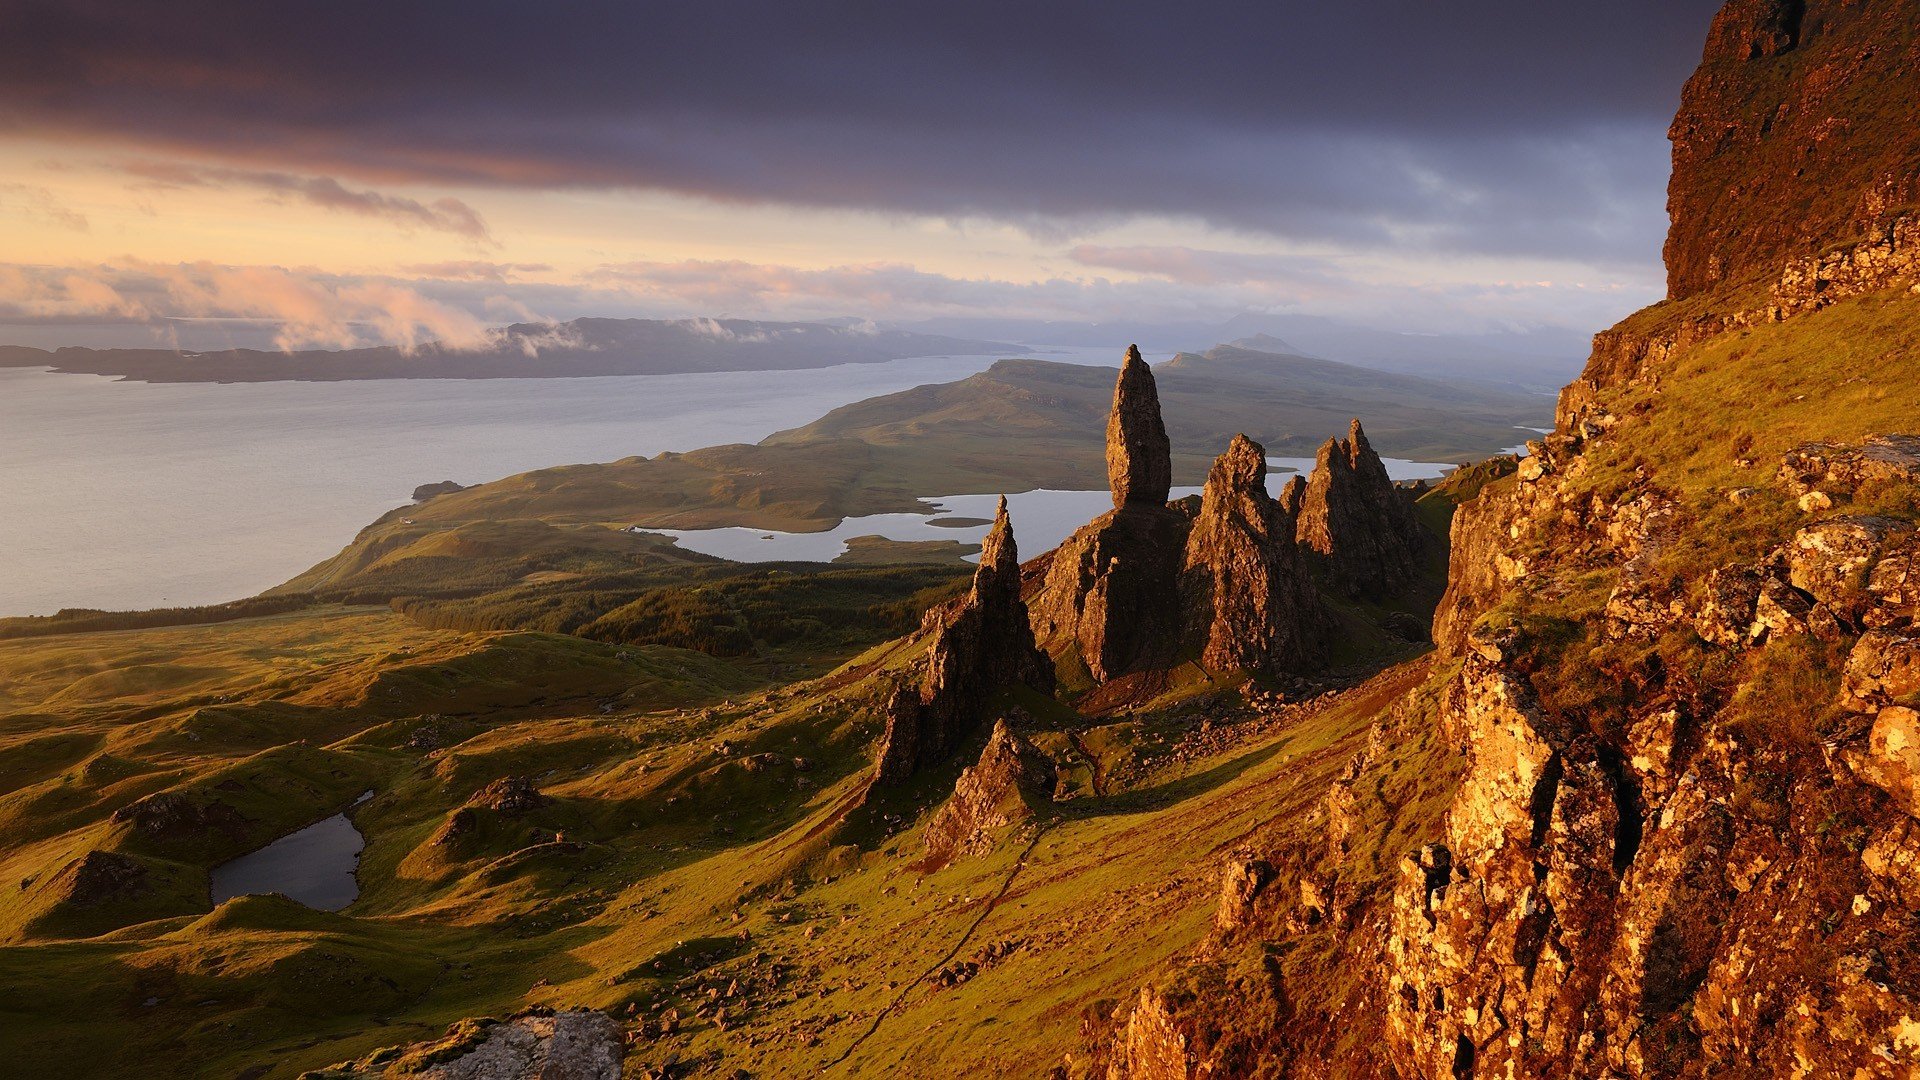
1512	126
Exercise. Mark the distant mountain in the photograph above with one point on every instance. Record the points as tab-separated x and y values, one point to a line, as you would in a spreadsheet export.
579	348
1540	357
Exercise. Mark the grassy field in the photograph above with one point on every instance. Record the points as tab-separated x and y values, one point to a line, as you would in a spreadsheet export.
687	821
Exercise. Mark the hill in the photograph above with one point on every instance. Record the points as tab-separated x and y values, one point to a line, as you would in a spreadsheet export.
1021	425
576	349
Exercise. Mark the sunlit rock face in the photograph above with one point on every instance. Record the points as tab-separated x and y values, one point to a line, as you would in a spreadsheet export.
1358	526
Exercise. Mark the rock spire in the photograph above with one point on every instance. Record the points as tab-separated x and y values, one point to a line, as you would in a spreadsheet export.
1251	604
1359	527
980	645
1139	456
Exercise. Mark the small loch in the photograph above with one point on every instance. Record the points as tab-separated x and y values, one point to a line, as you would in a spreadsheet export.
1041	519
314	866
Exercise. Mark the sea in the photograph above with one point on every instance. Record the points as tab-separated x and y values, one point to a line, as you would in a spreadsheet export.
127	495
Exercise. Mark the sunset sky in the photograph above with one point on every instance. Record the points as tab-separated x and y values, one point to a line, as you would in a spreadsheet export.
359	172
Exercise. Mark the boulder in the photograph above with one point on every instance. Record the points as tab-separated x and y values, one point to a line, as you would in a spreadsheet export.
1725	613
540	1044
1891	759
1830	468
1240	885
1831	561
510	795
1884	667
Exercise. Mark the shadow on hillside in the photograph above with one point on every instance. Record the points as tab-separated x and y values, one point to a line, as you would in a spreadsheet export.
1164	795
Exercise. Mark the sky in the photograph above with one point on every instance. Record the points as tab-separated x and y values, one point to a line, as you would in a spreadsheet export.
350	172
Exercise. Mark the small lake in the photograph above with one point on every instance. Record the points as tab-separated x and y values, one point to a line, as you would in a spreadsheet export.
314	866
1041	519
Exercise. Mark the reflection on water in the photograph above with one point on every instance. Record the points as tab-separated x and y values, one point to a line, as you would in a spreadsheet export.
314	866
1041	519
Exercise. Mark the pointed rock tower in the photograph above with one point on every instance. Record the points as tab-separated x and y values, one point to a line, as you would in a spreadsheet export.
978	647
1139	456
1111	596
1358	527
1251	605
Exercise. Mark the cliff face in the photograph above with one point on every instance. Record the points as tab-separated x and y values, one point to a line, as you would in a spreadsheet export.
1796	133
1674	699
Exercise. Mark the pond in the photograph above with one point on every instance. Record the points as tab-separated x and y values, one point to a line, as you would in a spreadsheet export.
1041	519
314	866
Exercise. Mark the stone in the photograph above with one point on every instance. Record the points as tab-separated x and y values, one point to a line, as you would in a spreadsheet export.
1010	780
578	1044
981	645
1894	585
1253	606
1814	502
1356	525
1884	667
1240	885
1778	611
1846	468
1891	759
1139	455
1831	561
510	795
1725	613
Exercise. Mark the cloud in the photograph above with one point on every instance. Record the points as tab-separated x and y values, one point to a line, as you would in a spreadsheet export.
445	214
459	304
1508	126
38	202
307	310
1183	285
475	270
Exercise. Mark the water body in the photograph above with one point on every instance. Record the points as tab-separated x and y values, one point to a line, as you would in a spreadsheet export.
314	866
137	495
1041	519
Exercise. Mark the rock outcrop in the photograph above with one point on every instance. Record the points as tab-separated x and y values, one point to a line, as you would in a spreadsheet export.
1796	132
1011	779
1221	577
541	1044
975	649
1139	455
1676	722
1252	605
1356	524
1111	594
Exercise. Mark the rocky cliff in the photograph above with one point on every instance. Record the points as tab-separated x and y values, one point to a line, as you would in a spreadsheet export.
1253	606
1796	134
1670	828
